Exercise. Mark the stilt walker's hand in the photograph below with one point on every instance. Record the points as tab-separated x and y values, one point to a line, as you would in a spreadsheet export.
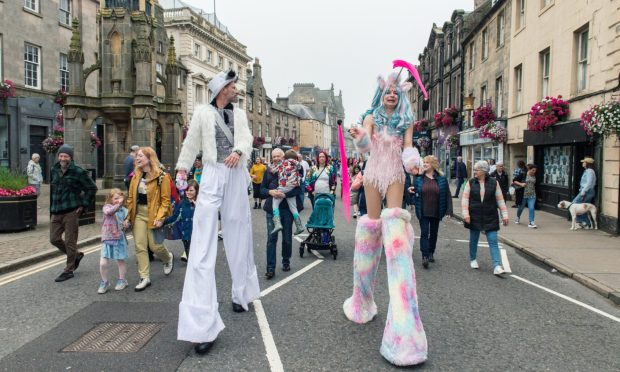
232	160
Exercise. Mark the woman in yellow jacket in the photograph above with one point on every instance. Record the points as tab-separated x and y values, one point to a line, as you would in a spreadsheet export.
148	203
256	172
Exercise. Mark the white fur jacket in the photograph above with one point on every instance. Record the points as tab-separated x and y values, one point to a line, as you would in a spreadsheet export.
201	137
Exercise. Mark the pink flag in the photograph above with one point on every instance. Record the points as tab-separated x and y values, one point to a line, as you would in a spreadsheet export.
414	73
346	197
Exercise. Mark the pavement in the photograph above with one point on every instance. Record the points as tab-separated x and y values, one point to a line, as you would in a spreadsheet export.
588	256
23	248
531	319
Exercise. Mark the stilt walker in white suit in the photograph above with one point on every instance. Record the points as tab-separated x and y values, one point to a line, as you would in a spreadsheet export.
221	132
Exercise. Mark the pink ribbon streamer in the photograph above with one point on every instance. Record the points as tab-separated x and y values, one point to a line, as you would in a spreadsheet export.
346	196
414	73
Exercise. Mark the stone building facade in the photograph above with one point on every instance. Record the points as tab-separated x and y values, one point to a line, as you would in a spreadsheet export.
128	106
487	80
274	124
567	48
34	40
441	69
204	47
325	106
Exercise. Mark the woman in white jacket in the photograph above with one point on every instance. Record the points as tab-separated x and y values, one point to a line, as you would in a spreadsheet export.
34	172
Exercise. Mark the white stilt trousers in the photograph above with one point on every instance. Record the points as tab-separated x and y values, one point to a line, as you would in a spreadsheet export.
222	189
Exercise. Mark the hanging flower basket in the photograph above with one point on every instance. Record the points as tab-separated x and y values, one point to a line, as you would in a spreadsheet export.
447	117
602	119
258	142
453	141
7	89
56	138
423	142
495	132
484	115
546	113
60	97
95	142
421	125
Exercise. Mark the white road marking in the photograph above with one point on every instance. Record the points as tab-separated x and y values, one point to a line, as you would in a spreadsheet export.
505	263
480	243
285	281
44	266
316	253
270	345
586	306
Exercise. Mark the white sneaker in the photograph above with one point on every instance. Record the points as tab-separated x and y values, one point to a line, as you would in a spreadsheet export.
121	284
474	264
532	225
144	282
103	287
498	270
170	265
517	221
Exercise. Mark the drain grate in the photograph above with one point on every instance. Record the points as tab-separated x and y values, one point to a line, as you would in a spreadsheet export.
115	338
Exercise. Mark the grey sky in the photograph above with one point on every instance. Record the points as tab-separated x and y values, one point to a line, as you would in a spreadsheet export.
348	43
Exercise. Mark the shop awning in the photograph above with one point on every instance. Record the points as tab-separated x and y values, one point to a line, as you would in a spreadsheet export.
570	132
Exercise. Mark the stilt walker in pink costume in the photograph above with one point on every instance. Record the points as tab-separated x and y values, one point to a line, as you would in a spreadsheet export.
387	134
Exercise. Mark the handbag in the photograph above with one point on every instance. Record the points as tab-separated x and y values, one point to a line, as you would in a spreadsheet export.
161	233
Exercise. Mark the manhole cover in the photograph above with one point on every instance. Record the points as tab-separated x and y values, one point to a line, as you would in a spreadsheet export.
115	338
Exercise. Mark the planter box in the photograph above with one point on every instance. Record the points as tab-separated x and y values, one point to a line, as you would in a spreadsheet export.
18	212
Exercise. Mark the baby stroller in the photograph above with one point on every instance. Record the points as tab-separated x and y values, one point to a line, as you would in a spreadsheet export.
320	226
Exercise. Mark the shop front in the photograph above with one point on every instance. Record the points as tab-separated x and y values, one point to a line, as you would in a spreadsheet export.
475	148
558	155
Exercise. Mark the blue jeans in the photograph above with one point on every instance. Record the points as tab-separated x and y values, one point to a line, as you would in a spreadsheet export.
286	217
474	236
588	198
531	202
429	227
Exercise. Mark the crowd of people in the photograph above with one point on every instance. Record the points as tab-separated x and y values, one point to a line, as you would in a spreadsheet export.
208	199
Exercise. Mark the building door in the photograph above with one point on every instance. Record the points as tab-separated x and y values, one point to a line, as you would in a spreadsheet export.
37	135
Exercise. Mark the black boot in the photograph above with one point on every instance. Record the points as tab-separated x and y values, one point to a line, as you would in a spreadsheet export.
255	205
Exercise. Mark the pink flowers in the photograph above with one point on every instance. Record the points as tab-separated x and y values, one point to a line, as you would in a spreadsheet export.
28	190
453	141
602	119
483	115
7	89
421	125
56	138
446	117
424	142
494	132
60	97
546	113
95	142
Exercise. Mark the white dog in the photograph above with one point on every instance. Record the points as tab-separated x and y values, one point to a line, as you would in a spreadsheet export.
577	209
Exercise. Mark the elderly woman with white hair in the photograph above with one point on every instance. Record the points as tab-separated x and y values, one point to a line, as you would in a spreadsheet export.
35	173
482	198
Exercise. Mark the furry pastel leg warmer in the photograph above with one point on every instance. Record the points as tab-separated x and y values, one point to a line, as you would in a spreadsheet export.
404	341
361	307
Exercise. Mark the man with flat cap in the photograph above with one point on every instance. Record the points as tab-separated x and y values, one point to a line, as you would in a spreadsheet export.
220	130
128	164
72	190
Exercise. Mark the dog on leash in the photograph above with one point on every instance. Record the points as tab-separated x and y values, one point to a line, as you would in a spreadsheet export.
577	209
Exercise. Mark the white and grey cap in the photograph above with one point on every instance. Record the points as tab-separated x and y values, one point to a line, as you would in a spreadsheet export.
221	80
